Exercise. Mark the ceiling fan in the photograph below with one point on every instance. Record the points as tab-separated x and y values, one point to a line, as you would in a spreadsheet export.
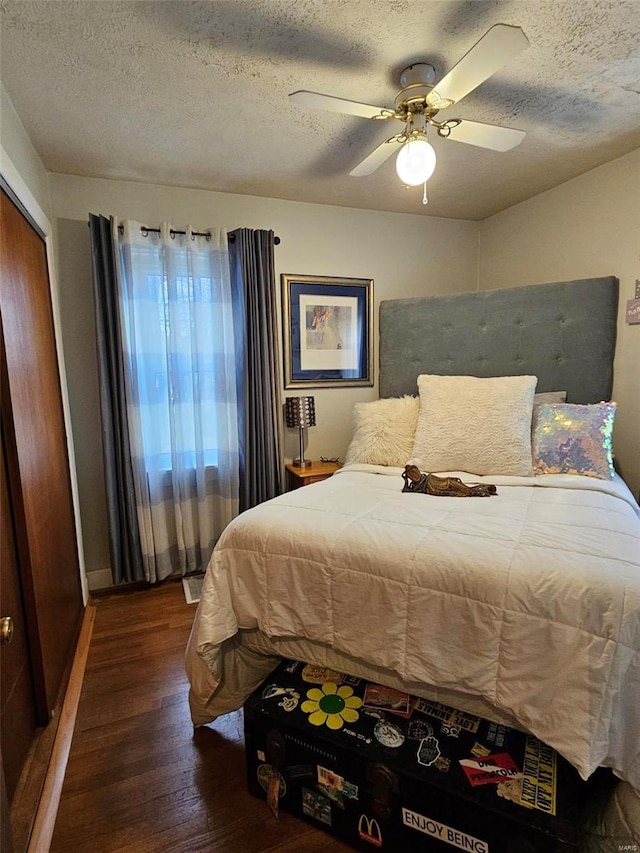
420	100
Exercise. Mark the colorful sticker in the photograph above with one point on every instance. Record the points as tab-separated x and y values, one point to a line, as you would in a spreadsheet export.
428	751
320	674
444	833
497	733
372	712
331	706
443	764
290	702
265	774
350	790
290	696
369	830
479	749
388	734
316	805
387	699
511	791
405	714
333	794
449	716
419	729
450	729
537	788
330	779
490	769
300	771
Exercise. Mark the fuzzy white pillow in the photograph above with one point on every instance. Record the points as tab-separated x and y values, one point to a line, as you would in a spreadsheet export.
383	431
482	426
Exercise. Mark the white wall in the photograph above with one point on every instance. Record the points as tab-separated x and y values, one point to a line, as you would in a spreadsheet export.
587	227
24	157
405	255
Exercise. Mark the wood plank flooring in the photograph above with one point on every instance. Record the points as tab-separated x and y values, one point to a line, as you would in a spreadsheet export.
139	777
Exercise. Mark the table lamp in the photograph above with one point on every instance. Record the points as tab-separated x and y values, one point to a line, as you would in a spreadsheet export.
300	412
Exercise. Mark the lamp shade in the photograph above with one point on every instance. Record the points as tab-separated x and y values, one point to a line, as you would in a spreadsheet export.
416	160
300	412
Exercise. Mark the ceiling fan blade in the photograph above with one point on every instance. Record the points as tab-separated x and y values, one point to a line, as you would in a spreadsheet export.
484	135
376	158
490	54
316	101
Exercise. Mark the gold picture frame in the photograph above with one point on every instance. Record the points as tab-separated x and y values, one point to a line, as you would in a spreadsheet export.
327	331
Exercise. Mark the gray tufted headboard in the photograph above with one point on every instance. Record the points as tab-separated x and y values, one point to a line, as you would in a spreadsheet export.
563	333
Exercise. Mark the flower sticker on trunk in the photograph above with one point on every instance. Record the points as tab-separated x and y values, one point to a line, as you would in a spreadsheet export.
331	705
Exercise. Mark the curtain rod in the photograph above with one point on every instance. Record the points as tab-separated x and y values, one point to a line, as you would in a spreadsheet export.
144	230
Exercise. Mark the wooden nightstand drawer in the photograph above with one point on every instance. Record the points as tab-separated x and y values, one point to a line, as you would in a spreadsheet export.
317	471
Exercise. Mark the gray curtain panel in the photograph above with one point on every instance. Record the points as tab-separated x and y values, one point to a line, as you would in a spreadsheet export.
251	257
124	534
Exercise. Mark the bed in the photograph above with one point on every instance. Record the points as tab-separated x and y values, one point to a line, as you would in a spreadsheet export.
522	607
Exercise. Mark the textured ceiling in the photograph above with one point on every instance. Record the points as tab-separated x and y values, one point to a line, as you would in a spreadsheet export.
195	93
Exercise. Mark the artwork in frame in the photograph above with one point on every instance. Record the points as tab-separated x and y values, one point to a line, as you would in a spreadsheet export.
327	330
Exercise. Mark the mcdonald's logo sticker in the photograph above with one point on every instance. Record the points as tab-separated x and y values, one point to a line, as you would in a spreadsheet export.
369	830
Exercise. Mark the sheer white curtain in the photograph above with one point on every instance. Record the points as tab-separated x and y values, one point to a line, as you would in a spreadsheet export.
177	330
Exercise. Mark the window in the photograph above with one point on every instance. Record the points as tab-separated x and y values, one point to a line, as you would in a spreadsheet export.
178	333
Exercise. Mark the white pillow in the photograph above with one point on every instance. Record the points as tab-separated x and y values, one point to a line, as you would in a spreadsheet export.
482	426
383	431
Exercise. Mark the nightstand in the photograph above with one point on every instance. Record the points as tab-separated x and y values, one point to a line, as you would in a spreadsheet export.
317	471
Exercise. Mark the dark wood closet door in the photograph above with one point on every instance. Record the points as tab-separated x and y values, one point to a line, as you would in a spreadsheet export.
37	460
17	701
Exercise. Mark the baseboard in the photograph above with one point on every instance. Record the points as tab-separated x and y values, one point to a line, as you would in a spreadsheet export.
45	818
99	579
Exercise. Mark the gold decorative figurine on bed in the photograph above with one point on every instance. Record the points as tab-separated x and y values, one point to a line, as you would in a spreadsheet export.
452	487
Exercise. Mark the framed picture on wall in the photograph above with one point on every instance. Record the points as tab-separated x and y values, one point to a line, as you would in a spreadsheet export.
327	330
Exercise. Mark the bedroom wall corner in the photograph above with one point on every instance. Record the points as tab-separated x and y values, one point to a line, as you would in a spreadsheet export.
585	228
18	147
78	331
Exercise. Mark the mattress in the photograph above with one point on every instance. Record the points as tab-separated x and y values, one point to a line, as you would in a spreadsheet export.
525	604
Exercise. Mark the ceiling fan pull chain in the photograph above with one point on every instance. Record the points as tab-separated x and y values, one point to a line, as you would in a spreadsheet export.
425	200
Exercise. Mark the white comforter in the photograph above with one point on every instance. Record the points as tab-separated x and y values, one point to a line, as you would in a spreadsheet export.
530	599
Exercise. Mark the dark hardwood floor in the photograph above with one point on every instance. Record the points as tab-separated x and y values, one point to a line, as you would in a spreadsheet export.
139	777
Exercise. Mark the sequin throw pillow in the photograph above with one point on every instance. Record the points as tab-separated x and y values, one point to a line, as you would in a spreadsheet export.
573	439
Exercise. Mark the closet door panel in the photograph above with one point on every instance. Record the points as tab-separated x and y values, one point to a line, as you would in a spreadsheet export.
41	484
17	702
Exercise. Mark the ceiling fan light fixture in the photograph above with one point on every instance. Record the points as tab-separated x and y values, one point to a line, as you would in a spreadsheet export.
416	160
